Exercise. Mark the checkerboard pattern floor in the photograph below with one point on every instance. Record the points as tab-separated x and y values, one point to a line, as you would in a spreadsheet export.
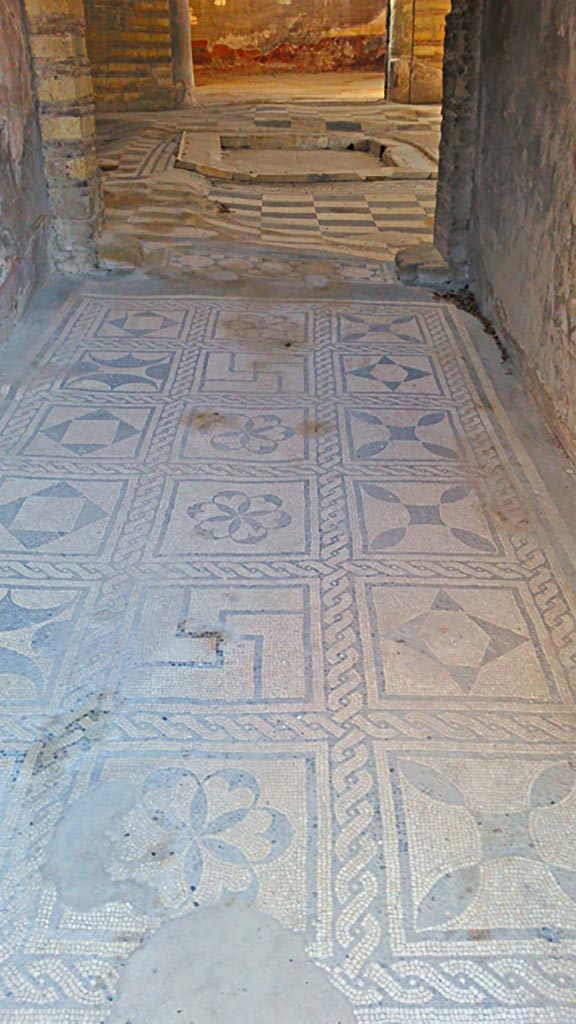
360	220
301	217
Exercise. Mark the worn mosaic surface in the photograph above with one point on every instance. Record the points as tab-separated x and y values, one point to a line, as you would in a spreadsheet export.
278	626
169	211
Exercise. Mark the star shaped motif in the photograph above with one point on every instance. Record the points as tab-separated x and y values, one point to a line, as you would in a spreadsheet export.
390	372
462	643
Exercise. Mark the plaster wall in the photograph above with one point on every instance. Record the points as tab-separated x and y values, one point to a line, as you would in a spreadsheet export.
130	52
23	201
523	228
262	34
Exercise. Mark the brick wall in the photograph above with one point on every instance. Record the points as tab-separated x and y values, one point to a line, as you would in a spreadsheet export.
429	30
416	50
23	198
428	50
66	111
523	232
130	52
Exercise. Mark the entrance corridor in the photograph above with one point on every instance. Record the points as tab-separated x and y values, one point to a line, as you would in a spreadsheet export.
287	512
289	646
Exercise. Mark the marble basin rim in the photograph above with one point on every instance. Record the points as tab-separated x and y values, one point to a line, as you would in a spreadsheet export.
292	156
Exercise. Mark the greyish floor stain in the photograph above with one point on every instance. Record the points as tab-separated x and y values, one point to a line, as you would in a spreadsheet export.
81	849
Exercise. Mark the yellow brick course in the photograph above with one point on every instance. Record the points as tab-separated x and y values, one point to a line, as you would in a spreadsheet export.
81	167
68	129
416	50
62	47
66	101
131	54
43	9
59	88
429	29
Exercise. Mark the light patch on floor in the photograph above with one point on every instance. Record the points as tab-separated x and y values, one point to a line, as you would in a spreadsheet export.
224	964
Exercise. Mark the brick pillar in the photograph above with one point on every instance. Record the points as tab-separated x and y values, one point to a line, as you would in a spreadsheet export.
415	48
400	50
66	107
182	63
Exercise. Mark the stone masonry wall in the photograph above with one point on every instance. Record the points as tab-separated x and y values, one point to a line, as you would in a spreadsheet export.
23	199
416	50
130	53
523	234
428	50
460	107
66	109
264	35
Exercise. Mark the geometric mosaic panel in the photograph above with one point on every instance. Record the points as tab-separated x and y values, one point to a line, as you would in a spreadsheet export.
390	374
274	373
436	641
35	629
56	516
489	847
399	435
83	431
418	517
234	517
263	435
293	640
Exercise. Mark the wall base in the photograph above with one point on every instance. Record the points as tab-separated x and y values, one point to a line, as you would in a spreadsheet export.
413	82
423	266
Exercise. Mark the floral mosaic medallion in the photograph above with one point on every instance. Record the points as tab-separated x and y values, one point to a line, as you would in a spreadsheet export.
236	515
281	635
261	435
202	836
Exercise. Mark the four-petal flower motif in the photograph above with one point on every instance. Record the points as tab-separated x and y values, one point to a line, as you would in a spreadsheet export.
513	835
234	515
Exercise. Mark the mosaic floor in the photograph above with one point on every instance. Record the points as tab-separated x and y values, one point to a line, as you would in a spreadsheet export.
167	211
282	633
323	215
128	136
231	263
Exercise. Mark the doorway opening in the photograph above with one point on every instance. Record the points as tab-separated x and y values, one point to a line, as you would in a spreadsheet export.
282	48
321	162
